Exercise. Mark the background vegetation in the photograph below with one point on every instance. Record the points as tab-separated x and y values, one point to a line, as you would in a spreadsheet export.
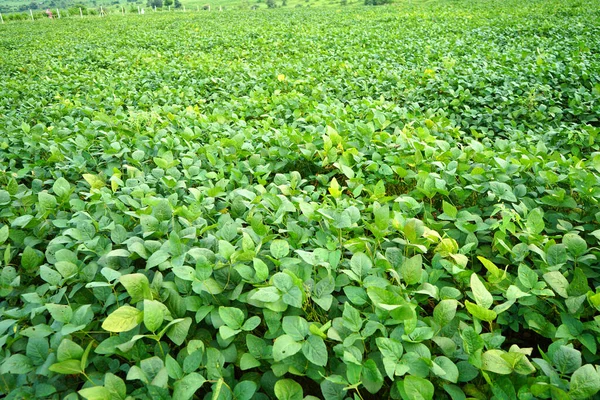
351	202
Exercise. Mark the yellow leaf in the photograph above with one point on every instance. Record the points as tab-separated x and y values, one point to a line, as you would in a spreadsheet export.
334	188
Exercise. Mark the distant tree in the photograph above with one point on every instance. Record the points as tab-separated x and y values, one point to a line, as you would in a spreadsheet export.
271	4
177	4
168	3
377	2
284	3
344	2
154	3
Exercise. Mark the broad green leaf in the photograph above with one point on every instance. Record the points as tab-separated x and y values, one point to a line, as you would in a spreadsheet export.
95	393
445	311
154	314
449	210
351	318
179	330
575	244
412	270
61	187
482	296
233	317
294	326
279	248
137	286
479	312
360	264
417	388
69	350
60	312
4	231
31	258
315	350
244	390
557	282
284	346
450	369
287	389
371	376
123	319
186	388
115	386
567	359
585	382
16	364
493	361
69	367
535	221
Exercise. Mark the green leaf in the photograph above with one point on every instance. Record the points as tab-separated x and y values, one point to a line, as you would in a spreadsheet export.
95	393
412	270
115	386
585	382
296	327
279	248
69	350
244	390
482	296
233	317
284	346
556	255
247	361
315	350
445	311
185	388
47	201
137	286
287	389
61	187
360	264
123	319
162	211
179	330
417	388
371	376
566	359
493	361
449	210
31	258
69	367
390	348
261	269
16	364
451	370
154	314
4	234
60	312
37	350
351	318
479	312
535	221
575	244
157	258
557	282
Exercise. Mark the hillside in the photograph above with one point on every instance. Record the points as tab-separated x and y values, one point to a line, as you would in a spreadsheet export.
9	6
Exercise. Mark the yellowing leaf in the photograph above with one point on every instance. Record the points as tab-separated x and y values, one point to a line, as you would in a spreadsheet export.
123	319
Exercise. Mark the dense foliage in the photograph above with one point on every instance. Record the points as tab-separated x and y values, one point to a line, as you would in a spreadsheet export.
397	202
